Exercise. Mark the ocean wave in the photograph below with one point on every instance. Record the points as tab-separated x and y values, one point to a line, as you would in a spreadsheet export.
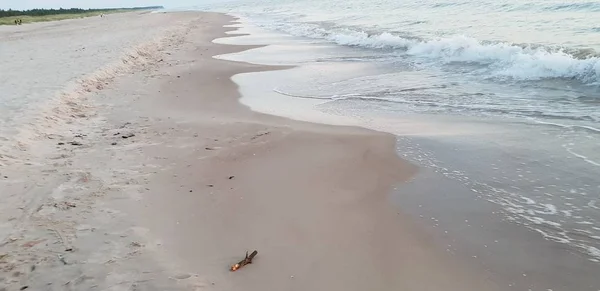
580	6
553	7
448	4
505	60
416	22
391	96
589	129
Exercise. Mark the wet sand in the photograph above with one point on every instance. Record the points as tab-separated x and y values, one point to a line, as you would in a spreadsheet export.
457	194
160	179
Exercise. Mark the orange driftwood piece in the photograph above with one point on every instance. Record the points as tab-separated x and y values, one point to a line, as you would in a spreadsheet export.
247	260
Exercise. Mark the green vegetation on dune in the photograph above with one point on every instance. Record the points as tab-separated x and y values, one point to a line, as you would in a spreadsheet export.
10	20
8	17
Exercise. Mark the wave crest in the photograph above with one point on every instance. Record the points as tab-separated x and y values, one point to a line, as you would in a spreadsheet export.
506	60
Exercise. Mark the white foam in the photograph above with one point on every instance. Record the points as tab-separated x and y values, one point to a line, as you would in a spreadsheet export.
548	209
593	251
539	220
568	126
504	59
528	200
584	158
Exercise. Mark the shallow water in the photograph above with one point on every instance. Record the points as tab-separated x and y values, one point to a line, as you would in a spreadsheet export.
512	86
535	61
508	131
525	168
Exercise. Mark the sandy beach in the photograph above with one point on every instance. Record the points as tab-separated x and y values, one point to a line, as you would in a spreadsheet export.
142	171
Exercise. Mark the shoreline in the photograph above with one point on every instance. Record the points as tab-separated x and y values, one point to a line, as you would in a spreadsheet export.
334	195
174	183
513	238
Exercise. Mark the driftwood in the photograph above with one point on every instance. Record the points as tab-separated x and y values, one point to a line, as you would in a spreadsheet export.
247	260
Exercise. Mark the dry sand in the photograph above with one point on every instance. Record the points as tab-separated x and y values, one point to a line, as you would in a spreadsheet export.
199	180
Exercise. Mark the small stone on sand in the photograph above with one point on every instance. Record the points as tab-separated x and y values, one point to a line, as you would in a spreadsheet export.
182	276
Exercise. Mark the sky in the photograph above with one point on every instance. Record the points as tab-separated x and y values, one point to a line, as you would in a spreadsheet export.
30	4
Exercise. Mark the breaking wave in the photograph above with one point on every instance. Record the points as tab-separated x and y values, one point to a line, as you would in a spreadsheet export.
504	60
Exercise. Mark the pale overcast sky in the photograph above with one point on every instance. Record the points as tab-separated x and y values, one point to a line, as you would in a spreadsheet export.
29	4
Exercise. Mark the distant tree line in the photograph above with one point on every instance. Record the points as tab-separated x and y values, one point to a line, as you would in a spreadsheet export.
44	12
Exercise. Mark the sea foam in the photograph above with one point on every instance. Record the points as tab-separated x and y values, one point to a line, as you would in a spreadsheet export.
504	60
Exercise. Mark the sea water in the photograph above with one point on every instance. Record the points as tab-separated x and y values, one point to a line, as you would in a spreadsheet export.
502	96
